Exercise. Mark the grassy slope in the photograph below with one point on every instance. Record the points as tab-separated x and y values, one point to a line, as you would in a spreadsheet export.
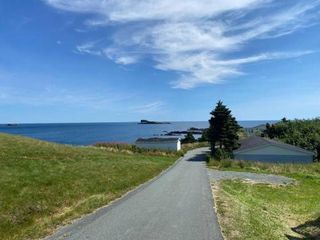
258	211
45	184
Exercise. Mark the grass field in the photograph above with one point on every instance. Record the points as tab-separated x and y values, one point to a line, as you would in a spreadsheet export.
44	185
260	211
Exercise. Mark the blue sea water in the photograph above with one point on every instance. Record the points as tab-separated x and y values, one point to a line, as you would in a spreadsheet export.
90	133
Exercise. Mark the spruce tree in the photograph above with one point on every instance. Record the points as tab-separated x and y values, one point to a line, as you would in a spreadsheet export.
189	138
223	130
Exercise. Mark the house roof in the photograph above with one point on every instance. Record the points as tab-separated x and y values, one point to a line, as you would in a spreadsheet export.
255	142
156	140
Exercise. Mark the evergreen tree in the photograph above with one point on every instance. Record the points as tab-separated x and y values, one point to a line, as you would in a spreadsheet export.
223	130
189	138
204	136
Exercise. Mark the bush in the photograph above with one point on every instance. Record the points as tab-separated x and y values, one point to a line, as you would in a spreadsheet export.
208	158
204	136
214	163
241	164
226	163
221	154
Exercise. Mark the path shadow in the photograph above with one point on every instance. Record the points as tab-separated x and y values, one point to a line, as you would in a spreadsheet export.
309	230
201	157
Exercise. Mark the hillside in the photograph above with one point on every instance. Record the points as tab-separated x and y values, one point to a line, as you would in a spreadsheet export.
44	185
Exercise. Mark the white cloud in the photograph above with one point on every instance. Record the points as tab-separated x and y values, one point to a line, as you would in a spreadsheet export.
137	10
262	57
148	107
281	23
206	68
192	37
88	48
114	54
120	57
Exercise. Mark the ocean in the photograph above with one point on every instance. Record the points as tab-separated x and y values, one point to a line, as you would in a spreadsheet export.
90	133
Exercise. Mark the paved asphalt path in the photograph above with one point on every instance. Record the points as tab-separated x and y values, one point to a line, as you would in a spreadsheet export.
176	206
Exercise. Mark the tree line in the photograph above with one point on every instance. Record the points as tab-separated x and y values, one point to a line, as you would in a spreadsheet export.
301	133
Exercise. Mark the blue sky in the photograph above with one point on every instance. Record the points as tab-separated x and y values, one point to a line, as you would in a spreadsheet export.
104	60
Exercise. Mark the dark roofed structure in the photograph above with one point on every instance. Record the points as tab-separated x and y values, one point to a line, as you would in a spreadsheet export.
268	150
255	141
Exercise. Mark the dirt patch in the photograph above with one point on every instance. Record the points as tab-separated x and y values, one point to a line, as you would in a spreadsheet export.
216	175
224	218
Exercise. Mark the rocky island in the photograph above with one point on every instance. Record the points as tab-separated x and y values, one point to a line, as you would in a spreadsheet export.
152	122
193	130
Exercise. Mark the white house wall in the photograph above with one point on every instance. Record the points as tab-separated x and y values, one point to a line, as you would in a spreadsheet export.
178	145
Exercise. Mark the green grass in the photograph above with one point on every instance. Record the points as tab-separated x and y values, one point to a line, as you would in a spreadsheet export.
260	167
260	211
44	185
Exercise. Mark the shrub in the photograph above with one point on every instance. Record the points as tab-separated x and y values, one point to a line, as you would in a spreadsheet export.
221	154
241	164
226	163
204	136
214	163
208	158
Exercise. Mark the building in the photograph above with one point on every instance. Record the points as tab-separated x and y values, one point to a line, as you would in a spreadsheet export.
168	144
266	150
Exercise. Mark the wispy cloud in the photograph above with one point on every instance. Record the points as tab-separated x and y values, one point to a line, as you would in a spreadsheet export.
192	37
104	101
88	48
52	96
119	56
148	107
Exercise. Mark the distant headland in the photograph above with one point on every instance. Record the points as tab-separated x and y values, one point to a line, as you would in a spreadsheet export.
143	121
12	125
